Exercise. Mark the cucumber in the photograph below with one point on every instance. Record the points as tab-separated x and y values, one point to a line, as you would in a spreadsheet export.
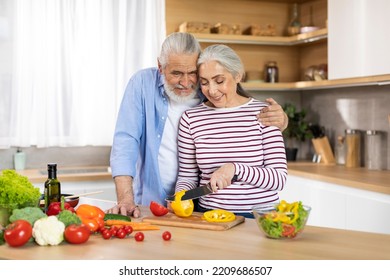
116	217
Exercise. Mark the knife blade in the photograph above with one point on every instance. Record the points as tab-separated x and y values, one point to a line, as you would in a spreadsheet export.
197	192
194	193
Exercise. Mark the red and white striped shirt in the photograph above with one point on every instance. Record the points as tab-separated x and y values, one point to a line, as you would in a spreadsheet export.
210	137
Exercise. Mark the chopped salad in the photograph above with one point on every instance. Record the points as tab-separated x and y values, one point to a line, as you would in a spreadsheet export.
285	221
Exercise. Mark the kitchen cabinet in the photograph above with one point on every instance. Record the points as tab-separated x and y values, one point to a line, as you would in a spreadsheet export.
339	206
293	54
79	187
358	42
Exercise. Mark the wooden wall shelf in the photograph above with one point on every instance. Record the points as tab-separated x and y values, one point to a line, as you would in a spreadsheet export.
318	35
378	80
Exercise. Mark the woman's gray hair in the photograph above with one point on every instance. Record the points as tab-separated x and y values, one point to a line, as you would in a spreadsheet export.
178	43
225	56
228	59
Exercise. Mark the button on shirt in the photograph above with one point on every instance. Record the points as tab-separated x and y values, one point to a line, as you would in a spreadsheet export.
138	134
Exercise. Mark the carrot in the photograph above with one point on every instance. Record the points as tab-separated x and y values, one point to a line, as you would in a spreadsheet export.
124	223
134	225
144	227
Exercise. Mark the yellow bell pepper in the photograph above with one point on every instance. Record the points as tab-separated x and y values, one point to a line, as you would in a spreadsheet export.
182	208
278	216
283	206
293	209
284	212
219	216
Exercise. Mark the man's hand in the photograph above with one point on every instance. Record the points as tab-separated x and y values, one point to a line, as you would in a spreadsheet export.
273	115
127	209
125	195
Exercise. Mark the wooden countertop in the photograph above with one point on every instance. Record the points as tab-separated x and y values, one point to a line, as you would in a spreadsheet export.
360	178
243	242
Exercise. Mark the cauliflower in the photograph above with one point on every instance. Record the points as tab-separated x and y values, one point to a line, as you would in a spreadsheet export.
48	231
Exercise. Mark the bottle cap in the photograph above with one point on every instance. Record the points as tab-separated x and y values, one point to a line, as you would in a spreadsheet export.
51	166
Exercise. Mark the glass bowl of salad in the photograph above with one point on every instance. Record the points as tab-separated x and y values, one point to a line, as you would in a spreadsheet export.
281	220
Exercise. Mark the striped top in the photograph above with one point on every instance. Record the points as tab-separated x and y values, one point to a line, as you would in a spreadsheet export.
210	137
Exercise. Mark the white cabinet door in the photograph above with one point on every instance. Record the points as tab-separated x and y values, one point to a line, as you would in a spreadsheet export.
339	206
368	213
358	41
328	204
107	186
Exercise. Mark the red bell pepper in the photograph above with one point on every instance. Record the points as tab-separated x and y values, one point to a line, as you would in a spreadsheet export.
56	207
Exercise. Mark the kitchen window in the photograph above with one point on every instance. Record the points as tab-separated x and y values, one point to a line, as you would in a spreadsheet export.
64	65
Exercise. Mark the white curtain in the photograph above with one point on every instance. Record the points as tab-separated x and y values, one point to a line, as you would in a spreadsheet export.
72	60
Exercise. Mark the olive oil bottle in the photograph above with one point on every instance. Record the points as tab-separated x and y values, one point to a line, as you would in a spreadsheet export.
52	186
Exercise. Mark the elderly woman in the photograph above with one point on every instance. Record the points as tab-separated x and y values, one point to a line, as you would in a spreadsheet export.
221	138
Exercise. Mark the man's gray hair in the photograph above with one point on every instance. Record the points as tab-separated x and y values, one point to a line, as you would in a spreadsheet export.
178	43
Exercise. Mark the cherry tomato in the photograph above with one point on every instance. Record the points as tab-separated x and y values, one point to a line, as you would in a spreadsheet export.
113	230
101	229
128	229
77	234
158	209
106	234
121	233
18	233
139	236
166	235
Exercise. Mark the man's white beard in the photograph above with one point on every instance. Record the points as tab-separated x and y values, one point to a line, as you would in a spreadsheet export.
180	99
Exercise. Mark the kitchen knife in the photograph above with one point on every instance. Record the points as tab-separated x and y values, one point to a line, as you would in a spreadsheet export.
197	192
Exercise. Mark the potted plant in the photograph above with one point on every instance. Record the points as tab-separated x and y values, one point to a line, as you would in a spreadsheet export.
296	131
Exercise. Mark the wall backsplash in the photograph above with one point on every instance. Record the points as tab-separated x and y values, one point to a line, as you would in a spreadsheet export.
337	109
363	108
38	158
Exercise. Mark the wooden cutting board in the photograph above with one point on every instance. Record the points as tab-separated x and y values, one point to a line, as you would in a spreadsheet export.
194	221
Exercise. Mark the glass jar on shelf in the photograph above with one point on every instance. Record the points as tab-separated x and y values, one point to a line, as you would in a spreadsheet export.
294	26
271	72
373	150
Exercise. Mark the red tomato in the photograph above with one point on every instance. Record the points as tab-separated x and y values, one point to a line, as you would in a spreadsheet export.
113	230
158	209
166	235
288	230
121	233
139	236
106	234
18	233
128	229
77	234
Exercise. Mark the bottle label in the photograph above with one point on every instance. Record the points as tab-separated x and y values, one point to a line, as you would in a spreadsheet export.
46	196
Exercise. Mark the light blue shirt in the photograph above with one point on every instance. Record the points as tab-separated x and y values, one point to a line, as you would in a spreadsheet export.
138	134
